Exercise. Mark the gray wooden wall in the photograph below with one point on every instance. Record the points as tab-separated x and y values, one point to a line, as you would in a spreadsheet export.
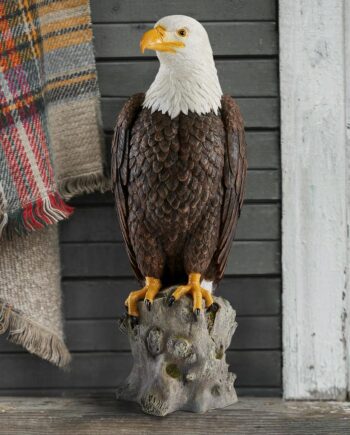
96	273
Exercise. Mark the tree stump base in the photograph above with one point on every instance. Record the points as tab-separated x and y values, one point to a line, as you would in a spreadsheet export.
179	362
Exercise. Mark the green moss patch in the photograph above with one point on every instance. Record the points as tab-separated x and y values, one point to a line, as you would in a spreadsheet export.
173	371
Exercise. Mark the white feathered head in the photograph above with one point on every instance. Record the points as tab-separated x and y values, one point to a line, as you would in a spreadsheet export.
187	79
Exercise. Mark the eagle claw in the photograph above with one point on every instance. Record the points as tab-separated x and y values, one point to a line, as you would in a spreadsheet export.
193	287
148	304
171	301
133	321
147	293
214	307
196	314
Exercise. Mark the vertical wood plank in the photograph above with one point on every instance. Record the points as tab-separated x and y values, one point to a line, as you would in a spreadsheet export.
347	109
314	198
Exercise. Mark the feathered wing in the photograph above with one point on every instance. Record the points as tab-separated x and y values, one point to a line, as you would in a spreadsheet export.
120	169
235	169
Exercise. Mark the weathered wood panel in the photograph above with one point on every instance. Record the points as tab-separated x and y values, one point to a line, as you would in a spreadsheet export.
99	276
257	112
100	224
258	368
262	185
247	78
83	392
263	149
258	333
110	260
347	114
227	39
104	416
315	224
104	298
208	10
254	258
103	335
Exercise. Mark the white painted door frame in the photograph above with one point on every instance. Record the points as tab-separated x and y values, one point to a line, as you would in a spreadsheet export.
347	114
315	198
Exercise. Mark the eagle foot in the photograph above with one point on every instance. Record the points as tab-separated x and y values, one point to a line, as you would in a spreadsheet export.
197	292
148	293
214	308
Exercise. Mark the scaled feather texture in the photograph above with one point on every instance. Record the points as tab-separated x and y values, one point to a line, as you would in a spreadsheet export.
179	165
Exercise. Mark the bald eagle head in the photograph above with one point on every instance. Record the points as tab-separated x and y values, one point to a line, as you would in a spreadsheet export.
187	78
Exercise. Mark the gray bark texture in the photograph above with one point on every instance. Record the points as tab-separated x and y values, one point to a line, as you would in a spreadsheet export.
179	362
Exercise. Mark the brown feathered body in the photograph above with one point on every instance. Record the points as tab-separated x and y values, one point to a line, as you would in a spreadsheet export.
179	188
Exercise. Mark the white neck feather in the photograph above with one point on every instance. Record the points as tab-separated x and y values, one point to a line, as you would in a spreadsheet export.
183	87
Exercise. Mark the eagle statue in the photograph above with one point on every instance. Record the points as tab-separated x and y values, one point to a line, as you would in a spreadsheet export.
178	168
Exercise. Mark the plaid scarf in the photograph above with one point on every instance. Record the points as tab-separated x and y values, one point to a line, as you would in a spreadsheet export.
49	103
29	197
50	148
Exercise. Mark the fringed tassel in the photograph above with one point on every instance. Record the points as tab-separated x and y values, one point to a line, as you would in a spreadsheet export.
37	215
33	337
83	184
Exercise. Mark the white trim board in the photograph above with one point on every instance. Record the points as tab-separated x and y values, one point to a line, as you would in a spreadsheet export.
347	110
314	224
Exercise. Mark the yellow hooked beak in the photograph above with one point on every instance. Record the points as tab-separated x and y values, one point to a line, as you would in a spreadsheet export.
154	40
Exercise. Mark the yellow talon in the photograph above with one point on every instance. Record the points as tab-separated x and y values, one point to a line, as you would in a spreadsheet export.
148	293
194	288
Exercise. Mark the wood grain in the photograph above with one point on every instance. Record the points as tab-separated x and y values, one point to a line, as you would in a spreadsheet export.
152	10
104	415
100	224
247	78
315	226
104	298
263	185
227	39
260	368
109	259
258	333
83	392
263	149
98	277
347	115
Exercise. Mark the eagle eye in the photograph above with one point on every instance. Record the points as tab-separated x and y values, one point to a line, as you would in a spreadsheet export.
182	33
